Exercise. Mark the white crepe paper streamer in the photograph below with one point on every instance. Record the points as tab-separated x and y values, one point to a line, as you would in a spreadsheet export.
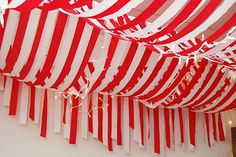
9	36
84	117
63	50
124	10
78	56
27	41
38	104
95	115
137	127
105	120
125	125
15	3
24	103
7	92
211	129
132	68
1	82
162	133
58	113
114	118
151	129
43	45
177	134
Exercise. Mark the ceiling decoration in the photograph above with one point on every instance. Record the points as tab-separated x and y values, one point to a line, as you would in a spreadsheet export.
99	58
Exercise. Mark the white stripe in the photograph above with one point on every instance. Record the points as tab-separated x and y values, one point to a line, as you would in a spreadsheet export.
114	118
177	133
15	3
9	36
137	131
105	121
125	123
162	133
7	92
24	103
151	127
58	113
38	104
1	82
84	117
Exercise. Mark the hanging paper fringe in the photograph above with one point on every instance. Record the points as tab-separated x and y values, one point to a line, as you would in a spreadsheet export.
110	116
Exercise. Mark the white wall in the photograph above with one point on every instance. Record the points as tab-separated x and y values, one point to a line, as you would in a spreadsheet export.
24	141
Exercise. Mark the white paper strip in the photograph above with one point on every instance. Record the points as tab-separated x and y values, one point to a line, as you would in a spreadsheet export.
38	104
68	120
58	113
1	82
125	125
24	103
105	121
7	92
84	117
114	118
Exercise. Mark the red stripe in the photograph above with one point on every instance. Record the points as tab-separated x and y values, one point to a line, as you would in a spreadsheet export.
141	122
28	5
220	127
167	126
192	127
109	113
119	125
14	97
32	102
207	129
64	110
156	130
100	117
90	119
74	120
43	132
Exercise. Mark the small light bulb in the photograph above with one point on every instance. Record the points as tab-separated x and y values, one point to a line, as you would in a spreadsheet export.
230	122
